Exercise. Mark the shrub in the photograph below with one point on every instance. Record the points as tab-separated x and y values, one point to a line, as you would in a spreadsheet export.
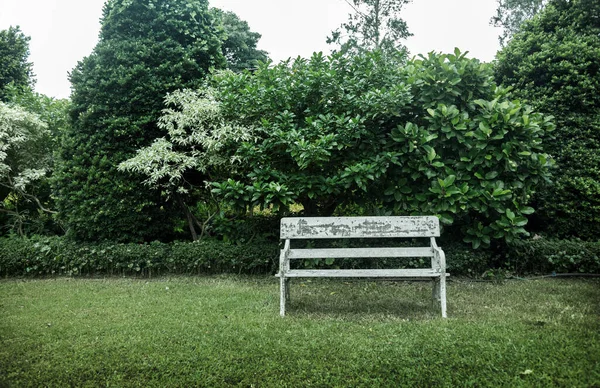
433	136
553	64
463	260
243	229
550	255
40	256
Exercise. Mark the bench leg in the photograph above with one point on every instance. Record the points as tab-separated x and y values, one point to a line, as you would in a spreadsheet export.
443	295
435	295
283	293
287	289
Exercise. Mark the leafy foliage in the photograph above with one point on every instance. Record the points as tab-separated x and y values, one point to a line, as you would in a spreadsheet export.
193	153
433	137
239	45
14	68
147	49
511	14
53	111
30	124
471	153
320	126
553	64
374	25
197	136
39	256
25	161
551	255
55	256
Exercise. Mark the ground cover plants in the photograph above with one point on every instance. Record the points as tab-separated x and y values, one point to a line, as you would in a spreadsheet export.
225	331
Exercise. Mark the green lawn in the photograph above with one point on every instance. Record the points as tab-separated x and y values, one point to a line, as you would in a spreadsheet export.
226	331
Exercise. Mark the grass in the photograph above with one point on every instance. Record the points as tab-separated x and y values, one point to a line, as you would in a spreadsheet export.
226	331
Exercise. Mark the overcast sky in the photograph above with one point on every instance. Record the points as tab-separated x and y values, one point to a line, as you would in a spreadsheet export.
64	31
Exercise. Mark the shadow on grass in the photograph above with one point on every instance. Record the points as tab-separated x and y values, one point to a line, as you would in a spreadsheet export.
369	299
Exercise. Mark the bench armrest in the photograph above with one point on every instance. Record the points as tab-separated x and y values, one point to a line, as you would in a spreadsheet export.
284	260
439	255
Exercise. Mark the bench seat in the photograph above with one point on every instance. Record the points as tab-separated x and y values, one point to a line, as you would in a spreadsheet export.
364	273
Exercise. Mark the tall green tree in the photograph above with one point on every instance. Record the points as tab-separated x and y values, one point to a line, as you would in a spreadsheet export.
373	25
15	69
554	63
511	14
146	49
239	44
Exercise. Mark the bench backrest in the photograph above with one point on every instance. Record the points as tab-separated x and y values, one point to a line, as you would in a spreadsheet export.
359	227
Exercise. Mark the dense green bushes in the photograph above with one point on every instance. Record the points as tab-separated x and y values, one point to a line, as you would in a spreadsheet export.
560	256
432	136
553	64
146	50
40	256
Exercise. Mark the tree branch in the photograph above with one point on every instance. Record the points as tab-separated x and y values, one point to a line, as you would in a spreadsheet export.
355	9
11	212
42	208
27	196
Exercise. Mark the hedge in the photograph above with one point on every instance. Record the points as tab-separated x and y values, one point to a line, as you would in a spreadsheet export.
39	256
56	256
553	256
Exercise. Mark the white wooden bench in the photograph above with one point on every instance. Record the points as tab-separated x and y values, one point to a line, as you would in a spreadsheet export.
362	227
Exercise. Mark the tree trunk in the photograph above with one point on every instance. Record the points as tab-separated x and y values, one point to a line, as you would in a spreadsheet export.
189	217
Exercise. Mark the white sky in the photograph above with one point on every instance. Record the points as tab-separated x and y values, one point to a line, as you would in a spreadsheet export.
64	31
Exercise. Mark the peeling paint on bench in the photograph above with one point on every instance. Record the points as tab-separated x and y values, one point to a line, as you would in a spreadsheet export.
359	227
